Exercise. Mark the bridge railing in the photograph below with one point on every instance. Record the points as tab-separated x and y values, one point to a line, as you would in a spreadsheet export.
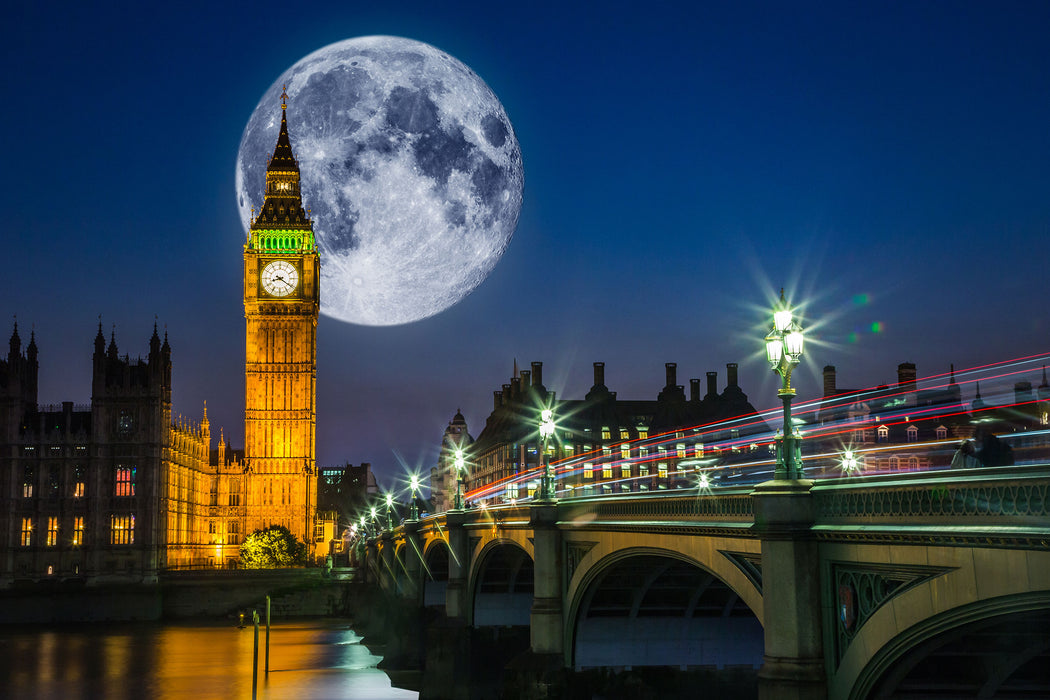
726	507
1017	497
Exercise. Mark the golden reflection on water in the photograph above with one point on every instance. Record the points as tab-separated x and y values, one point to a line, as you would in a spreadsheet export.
307	660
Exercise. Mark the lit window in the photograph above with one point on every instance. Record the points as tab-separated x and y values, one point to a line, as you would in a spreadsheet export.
661	470
27	532
884	433
698	450
680	449
125	481
78	530
532	488
643	470
606	471
625	471
587	448
79	489
52	531
606	452
624	435
568	450
643	451
122	529
588	470
643	433
27	482
233	532
625	452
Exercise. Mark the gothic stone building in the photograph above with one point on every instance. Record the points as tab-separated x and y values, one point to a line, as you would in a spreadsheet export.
115	490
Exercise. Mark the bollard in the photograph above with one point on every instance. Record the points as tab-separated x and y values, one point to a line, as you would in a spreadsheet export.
267	635
255	657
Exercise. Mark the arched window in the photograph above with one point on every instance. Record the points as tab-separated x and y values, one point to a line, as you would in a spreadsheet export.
884	433
942	432
913	434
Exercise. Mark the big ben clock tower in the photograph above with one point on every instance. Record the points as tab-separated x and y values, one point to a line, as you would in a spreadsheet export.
281	277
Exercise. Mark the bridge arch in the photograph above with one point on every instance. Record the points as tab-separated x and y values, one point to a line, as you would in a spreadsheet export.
501	585
989	648
644	606
435	573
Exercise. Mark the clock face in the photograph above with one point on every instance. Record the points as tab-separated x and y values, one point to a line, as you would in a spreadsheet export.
280	278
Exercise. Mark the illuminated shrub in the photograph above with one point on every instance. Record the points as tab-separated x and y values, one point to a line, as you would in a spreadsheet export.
272	548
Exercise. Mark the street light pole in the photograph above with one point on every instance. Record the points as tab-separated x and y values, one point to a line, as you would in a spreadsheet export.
458	502
413	509
548	488
784	351
389	504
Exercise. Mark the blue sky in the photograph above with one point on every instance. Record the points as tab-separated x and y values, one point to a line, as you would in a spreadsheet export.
887	163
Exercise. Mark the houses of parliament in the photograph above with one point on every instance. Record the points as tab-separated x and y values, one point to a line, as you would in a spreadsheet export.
118	490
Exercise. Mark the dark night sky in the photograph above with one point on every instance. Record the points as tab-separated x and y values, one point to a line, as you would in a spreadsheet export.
888	163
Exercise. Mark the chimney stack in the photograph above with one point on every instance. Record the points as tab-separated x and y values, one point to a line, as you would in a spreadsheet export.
694	390
599	374
671	369
906	376
829	380
537	373
497	399
526	381
730	374
712	383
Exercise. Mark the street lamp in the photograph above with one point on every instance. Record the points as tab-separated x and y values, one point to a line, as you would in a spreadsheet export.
375	521
389	505
458	463
413	509
784	351
364	527
548	488
849	462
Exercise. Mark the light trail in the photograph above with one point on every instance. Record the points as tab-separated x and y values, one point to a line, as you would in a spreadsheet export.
744	444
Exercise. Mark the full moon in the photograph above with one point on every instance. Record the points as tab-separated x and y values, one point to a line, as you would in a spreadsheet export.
410	168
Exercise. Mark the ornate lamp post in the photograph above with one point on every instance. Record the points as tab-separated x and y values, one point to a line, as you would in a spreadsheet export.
548	487
457	504
413	509
389	505
375	521
784	351
364	528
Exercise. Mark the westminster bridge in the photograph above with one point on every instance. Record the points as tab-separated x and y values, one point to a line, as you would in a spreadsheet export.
916	585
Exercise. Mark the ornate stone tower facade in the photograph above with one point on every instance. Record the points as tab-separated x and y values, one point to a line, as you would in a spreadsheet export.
281	303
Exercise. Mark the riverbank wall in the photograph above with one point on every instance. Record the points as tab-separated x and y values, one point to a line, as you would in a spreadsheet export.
179	595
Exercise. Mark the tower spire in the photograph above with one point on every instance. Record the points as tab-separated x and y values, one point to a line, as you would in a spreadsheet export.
282	224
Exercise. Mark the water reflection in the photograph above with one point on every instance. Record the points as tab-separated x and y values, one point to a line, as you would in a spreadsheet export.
307	660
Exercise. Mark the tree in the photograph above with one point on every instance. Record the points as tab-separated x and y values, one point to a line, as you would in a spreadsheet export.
272	548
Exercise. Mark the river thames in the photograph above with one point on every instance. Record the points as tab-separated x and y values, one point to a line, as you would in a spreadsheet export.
308	659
